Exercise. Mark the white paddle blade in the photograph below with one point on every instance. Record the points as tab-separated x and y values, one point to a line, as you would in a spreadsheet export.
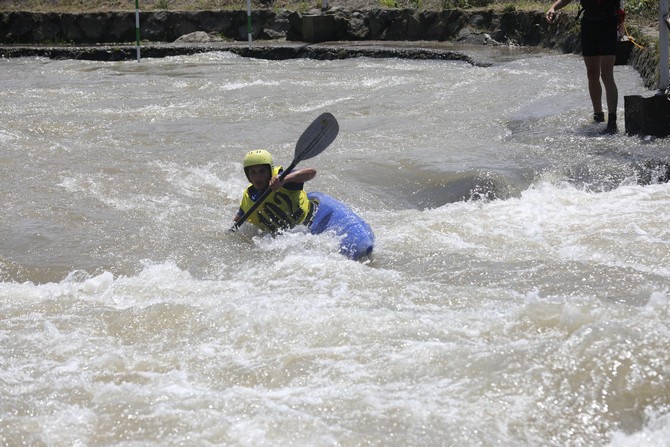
316	137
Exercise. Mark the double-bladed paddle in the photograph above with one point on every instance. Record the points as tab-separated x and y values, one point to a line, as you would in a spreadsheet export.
311	143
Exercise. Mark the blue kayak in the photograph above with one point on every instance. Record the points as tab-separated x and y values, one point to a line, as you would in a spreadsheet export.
356	237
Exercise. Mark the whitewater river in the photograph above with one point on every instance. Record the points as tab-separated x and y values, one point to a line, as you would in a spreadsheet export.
518	293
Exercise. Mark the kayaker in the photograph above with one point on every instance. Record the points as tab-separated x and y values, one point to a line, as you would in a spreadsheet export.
287	205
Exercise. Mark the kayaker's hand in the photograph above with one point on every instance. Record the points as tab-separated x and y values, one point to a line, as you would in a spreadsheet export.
275	183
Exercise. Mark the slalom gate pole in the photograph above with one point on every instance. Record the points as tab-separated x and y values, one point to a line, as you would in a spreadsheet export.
663	45
249	21
137	28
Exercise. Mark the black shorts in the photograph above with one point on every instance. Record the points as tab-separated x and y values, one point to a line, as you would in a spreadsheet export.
599	37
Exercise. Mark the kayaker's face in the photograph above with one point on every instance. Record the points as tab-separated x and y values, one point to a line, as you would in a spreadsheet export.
259	176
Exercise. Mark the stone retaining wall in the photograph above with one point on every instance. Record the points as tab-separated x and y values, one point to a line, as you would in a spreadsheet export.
523	28
468	26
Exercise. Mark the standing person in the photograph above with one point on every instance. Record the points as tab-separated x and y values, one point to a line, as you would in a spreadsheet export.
599	40
287	205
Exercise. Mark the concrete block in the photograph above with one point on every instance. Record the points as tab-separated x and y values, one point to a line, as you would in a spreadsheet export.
647	116
318	28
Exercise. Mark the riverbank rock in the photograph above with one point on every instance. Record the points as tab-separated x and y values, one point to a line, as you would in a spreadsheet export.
198	37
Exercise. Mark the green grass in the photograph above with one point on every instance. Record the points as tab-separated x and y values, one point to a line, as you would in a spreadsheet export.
637	10
191	5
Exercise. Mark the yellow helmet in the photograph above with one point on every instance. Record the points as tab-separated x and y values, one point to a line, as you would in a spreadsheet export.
257	157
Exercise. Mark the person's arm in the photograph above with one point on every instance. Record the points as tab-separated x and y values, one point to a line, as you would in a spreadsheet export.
298	176
551	13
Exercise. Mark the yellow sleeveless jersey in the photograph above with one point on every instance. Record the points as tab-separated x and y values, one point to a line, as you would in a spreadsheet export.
284	208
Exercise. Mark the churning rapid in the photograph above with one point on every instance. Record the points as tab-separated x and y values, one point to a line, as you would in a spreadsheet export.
518	293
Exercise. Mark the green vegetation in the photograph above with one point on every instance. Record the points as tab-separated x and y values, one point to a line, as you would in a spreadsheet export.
190	5
642	7
637	10
125	5
163	4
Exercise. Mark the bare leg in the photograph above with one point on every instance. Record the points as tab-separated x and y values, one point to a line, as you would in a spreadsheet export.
611	91
607	75
593	75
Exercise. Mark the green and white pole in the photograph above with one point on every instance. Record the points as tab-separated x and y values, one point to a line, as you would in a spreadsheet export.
663	45
249	21
137	28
